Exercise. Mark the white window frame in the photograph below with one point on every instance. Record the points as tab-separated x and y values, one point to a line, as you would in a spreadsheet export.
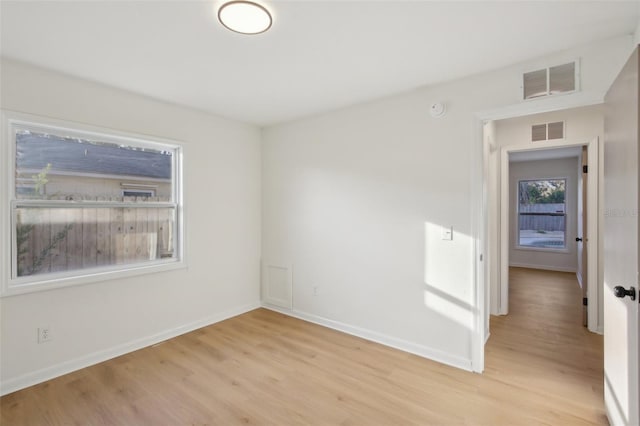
518	246
10	284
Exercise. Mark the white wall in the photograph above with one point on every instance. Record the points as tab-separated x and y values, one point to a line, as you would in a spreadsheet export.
348	196
581	126
545	169
352	199
222	198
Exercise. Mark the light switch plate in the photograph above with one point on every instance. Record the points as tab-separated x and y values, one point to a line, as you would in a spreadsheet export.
447	233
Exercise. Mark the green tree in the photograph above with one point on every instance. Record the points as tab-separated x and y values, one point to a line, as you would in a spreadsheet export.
542	191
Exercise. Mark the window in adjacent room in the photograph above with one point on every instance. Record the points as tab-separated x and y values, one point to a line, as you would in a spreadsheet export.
542	212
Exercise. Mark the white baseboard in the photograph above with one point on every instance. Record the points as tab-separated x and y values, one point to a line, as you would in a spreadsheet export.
383	339
48	373
544	267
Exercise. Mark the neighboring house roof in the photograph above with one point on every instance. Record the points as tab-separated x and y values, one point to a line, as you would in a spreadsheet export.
35	151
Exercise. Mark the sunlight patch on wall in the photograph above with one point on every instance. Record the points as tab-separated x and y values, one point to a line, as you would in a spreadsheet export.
446	289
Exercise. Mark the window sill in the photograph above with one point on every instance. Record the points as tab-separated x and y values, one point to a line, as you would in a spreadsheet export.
20	286
543	249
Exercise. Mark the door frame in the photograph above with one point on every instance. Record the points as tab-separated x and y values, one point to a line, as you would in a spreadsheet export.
593	148
479	204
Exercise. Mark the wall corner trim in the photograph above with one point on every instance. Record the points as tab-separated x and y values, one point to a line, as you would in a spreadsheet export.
16	383
383	339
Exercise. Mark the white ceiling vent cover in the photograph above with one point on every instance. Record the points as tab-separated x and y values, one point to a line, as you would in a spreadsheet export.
555	130
535	84
550	81
538	132
547	131
562	78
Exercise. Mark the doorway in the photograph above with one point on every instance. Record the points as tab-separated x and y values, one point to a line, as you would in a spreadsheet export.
509	142
582	121
541	225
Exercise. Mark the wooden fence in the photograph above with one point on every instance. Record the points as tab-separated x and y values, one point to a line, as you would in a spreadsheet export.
63	239
542	217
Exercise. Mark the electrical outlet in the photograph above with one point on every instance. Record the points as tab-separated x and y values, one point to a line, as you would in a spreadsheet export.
44	334
316	290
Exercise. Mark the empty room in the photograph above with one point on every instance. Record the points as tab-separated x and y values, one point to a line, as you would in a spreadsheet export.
319	212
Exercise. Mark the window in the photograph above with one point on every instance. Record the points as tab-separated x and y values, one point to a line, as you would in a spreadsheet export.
542	213
73	217
138	193
138	190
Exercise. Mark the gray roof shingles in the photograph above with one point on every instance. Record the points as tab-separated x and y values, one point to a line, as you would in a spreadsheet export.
35	151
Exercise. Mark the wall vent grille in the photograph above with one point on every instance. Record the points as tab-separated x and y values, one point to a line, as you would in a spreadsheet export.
547	131
550	81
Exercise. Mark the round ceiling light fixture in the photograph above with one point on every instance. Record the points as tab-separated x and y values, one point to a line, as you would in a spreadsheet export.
245	17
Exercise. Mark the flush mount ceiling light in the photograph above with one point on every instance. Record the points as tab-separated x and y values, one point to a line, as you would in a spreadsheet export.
244	17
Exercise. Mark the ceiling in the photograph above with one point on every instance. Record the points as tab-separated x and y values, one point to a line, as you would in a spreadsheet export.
318	56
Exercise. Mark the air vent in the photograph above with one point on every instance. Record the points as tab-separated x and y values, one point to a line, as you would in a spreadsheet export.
539	132
550	81
547	131
535	84
562	78
555	130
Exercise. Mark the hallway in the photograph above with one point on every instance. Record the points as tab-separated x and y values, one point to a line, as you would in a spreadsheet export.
541	346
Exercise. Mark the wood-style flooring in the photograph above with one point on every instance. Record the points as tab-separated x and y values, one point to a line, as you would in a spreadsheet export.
542	367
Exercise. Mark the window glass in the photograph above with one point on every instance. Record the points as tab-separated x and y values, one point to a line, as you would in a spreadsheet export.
84	204
71	239
542	213
67	168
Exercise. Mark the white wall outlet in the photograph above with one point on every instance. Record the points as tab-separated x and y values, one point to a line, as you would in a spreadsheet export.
44	334
316	290
447	233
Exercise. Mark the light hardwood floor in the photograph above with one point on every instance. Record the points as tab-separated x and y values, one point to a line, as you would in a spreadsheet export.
542	367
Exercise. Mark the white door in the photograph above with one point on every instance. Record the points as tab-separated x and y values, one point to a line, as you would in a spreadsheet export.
621	247
583	232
